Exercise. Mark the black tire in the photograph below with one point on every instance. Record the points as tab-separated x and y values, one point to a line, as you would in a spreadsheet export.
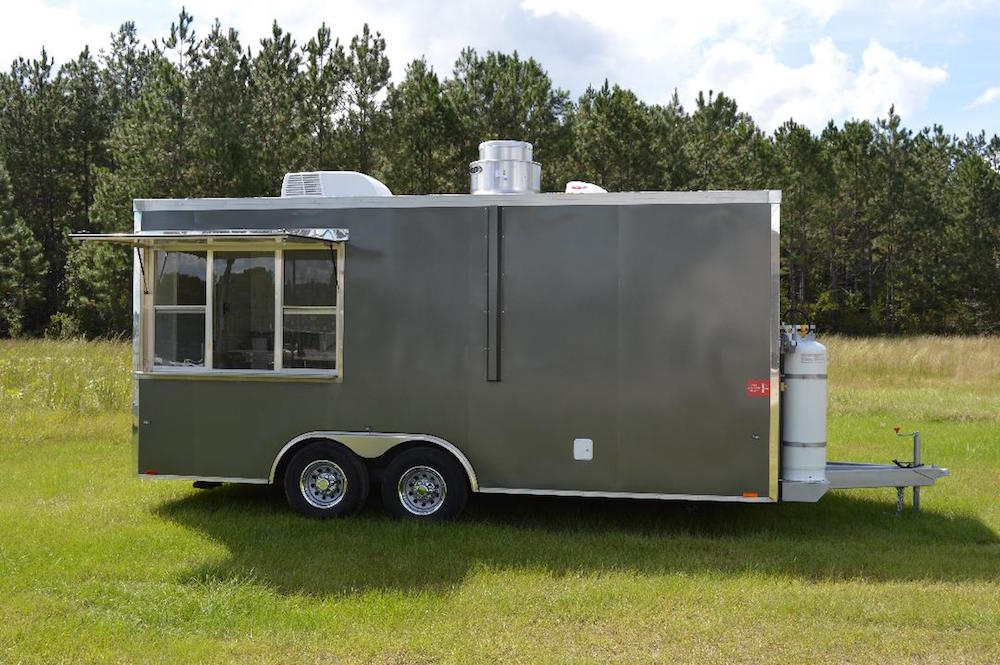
423	469
324	479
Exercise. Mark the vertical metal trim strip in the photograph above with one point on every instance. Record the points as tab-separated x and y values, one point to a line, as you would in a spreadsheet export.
494	284
774	441
209	308
137	288
279	307
148	313
341	249
138	353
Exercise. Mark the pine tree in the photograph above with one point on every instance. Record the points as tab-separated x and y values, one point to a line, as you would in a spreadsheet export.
218	115
975	257
892	147
929	293
419	149
125	69
99	275
278	137
88	126
669	133
367	70
852	282
323	93
612	146
22	265
724	147
805	180
34	144
163	118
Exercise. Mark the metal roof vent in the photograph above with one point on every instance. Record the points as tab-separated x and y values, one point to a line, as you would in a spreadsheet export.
505	167
332	183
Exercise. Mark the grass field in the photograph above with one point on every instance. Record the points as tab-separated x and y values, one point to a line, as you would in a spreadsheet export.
98	566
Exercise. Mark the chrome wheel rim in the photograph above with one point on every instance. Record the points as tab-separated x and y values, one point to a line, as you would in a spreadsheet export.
323	483
422	490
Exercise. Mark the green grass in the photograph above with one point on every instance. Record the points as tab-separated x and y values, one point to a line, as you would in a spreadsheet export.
98	566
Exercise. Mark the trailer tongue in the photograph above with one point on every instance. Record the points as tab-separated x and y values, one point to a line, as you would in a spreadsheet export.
863	475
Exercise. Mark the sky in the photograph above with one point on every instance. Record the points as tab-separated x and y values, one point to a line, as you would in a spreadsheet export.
936	61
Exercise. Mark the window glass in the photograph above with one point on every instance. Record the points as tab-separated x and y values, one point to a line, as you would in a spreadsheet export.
309	341
243	304
242	317
180	278
180	339
310	278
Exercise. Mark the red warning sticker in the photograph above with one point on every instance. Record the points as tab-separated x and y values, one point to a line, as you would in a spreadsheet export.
759	388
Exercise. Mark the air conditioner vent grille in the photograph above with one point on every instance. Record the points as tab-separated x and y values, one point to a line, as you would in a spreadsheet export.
302	184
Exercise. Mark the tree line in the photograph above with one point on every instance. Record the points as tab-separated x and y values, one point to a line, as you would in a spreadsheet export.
885	229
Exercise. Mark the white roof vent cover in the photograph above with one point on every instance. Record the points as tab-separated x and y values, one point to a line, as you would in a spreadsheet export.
580	187
332	183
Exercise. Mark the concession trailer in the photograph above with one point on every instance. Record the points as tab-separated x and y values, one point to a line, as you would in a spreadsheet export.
584	343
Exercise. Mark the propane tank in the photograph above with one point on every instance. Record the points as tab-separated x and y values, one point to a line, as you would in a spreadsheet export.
803	408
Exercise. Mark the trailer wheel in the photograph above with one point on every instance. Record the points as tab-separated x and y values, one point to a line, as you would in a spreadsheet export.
324	479
424	484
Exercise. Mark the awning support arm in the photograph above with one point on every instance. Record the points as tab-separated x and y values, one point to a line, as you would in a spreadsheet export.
142	270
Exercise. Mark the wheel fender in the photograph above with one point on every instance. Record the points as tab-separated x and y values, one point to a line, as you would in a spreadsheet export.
374	444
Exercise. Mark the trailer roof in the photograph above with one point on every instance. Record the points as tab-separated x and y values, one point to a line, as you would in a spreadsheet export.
460	200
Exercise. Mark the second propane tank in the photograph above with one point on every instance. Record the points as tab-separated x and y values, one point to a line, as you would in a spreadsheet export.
803	405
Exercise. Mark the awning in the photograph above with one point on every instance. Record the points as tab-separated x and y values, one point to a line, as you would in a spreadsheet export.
154	238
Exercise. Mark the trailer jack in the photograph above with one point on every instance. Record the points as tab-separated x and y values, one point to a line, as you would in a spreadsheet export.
914	464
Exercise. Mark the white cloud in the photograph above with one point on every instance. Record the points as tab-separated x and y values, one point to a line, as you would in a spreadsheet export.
826	87
60	28
770	90
886	78
988	97
652	29
736	46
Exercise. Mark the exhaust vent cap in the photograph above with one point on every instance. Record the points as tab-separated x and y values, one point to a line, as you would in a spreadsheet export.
505	167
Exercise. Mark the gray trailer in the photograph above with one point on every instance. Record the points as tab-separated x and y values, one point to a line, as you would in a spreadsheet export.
506	341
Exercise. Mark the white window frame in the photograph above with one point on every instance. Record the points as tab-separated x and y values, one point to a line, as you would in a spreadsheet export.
277	249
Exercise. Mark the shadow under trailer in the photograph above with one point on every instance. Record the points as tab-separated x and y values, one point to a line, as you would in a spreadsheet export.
586	343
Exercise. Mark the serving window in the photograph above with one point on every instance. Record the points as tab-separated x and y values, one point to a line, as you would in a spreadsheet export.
245	310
